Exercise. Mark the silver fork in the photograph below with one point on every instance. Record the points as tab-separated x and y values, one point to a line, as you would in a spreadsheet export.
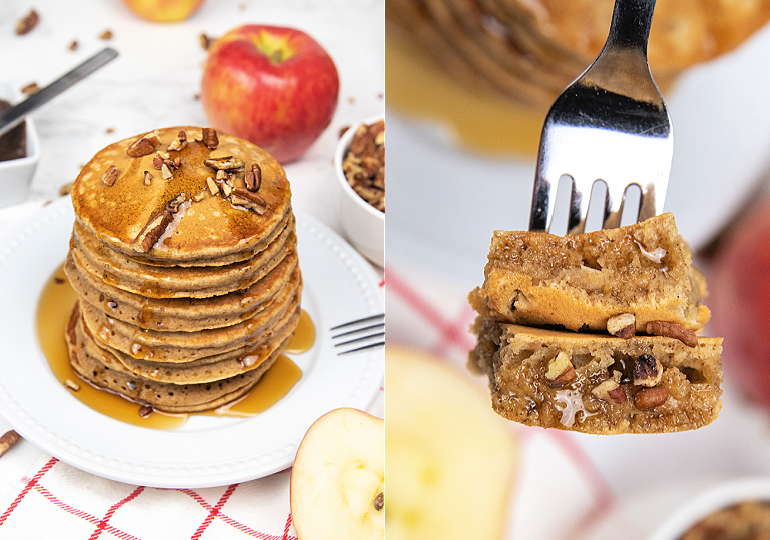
360	335
611	124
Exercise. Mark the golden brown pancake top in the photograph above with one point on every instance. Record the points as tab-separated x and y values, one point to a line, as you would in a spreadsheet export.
207	224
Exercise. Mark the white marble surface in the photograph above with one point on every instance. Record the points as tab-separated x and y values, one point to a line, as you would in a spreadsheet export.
154	82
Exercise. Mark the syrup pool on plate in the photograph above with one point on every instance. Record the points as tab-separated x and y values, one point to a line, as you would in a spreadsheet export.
53	311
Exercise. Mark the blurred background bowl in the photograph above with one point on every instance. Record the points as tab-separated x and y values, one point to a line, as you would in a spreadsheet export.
718	498
363	225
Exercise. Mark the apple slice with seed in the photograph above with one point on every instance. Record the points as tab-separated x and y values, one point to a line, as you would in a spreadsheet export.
338	478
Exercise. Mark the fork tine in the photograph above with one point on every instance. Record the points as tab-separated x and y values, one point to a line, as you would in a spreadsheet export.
366	334
543	201
358	321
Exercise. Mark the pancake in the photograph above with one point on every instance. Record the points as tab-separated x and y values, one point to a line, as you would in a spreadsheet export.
214	226
114	268
212	368
685	393
103	370
580	281
184	258
181	347
187	314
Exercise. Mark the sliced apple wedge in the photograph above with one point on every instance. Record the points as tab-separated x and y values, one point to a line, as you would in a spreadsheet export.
338	478
450	458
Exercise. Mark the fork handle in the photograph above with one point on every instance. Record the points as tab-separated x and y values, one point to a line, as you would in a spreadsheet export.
631	21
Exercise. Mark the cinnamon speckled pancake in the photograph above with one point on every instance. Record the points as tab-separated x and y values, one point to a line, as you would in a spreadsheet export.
100	260
183	347
184	258
217	367
213	227
187	314
103	370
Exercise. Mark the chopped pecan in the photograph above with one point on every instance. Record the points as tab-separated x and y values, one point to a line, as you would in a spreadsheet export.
247	199
206	41
210	138
144	145
29	89
147	178
560	371
110	175
157	162
222	175
27	23
71	385
106	35
165	171
178	143
673	330
647	399
364	164
648	370
154	229
622	326
611	391
226	189
173	204
145	411
212	186
226	163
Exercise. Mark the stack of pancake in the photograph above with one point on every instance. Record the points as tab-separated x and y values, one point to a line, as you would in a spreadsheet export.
530	50
183	255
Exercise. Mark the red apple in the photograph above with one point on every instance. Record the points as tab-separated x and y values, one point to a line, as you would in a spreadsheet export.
739	283
164	10
274	86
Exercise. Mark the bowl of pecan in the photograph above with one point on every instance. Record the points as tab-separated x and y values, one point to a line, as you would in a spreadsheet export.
360	167
735	510
19	154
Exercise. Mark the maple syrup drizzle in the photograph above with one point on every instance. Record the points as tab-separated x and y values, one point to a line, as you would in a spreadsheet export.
53	311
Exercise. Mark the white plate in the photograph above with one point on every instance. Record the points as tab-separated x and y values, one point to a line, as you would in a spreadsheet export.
207	451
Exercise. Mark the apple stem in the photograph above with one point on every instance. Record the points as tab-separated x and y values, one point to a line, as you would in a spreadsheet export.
276	57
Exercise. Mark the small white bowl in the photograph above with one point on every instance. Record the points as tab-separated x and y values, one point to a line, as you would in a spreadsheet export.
16	174
363	225
723	496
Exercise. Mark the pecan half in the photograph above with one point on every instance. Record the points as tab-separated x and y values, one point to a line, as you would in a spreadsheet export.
110	175
560	371
8	439
673	330
27	23
247	199
647	370
253	178
210	138
647	399
622	326
154	229
226	163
